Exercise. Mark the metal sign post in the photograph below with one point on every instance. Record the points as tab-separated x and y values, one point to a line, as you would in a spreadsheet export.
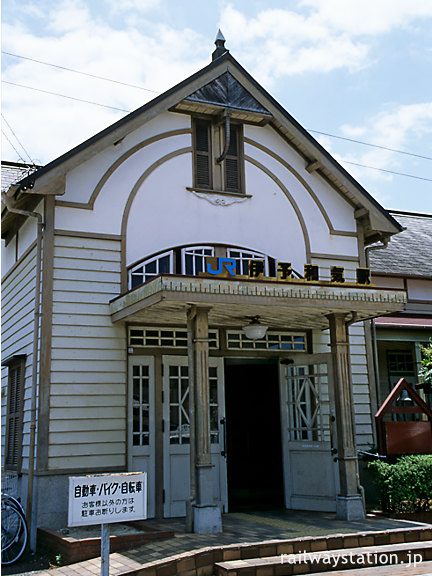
105	546
105	499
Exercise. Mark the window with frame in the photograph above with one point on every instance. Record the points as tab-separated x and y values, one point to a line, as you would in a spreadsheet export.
191	261
14	416
160	264
242	258
209	142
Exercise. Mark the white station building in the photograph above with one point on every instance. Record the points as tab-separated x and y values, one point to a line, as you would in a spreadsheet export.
154	244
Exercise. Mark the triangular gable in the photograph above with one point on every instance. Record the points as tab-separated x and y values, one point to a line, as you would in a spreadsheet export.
226	91
404	437
224	79
388	406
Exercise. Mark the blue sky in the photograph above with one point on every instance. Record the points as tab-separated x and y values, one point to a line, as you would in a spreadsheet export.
355	69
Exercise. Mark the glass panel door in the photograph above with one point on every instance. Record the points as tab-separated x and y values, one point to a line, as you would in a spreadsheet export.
177	433
310	474
141	429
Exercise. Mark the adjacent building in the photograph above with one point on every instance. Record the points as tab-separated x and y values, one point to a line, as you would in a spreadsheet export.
405	264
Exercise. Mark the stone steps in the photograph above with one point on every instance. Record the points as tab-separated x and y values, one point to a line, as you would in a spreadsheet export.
342	559
422	569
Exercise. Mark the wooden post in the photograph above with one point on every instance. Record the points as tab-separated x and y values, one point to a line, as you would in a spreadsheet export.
349	503
207	515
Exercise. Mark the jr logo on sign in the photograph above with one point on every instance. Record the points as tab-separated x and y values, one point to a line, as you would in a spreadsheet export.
219	266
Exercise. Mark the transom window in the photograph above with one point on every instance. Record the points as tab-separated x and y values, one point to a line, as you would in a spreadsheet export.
237	340
153	337
242	258
161	264
191	260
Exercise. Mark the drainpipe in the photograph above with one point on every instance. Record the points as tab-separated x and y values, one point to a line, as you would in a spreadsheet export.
191	366
9	205
360	488
222	157
384	244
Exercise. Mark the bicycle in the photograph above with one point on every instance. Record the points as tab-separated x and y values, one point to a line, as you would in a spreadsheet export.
14	531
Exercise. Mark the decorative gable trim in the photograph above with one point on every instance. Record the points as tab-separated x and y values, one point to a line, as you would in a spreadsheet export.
227	92
201	86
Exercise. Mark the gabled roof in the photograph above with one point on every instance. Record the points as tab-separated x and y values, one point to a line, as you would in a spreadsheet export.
12	172
198	90
408	253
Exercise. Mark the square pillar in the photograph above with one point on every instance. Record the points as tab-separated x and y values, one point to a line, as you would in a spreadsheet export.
349	503
207	516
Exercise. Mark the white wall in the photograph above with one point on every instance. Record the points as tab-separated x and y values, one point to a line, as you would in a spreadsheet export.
269	221
88	369
147	194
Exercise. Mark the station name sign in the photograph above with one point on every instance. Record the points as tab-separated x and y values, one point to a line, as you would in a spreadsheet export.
227	268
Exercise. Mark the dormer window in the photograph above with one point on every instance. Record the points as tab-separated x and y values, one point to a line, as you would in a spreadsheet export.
214	170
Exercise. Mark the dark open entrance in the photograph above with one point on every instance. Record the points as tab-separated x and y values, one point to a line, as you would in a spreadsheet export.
254	450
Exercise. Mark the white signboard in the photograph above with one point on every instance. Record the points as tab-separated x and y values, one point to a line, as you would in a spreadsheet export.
107	498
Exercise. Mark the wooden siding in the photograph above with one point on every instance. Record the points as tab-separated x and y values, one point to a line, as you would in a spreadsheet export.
17	336
88	367
360	381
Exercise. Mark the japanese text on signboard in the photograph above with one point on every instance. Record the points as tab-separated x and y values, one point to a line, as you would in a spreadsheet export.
228	267
103	499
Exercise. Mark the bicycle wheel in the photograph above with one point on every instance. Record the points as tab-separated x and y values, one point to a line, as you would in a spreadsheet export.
11	501
14	534
10	523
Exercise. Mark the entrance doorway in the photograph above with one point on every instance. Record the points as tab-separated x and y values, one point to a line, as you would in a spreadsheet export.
253	435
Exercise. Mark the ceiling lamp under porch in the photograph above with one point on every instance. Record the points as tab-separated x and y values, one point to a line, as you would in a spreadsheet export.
255	330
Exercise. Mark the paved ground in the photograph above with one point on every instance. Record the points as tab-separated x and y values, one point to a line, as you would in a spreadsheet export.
238	527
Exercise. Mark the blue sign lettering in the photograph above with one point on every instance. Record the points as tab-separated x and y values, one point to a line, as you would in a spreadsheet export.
228	263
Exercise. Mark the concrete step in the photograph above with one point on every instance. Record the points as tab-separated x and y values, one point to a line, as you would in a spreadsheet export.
304	562
422	569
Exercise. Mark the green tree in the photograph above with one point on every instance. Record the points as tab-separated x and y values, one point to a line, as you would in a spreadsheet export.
425	371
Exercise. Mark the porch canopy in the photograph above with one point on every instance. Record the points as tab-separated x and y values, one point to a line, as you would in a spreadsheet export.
200	301
280	305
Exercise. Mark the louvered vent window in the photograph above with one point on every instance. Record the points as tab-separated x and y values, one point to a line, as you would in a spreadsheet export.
202	154
232	163
14	416
209	142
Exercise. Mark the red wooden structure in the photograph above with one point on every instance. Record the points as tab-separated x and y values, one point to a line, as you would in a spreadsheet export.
404	436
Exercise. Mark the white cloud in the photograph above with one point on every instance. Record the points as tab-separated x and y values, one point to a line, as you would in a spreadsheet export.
367	17
320	36
76	39
400	127
133	5
72	15
397	127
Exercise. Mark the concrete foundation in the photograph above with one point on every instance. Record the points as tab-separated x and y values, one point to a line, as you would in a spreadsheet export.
350	508
207	519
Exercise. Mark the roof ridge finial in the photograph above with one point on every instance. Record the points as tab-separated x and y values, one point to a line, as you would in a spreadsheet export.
220	46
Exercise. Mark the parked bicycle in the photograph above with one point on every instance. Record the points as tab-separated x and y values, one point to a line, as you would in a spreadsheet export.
14	531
